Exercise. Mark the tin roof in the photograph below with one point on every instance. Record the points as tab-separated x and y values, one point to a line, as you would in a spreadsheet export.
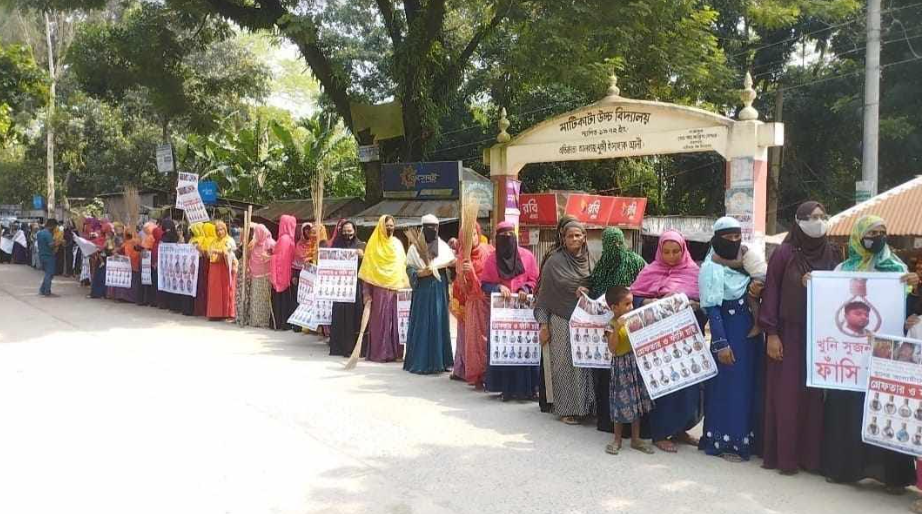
303	210
898	206
407	213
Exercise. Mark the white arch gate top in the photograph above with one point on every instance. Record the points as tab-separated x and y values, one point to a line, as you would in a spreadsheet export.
620	127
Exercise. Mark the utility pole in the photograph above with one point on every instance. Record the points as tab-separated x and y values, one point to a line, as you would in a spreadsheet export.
774	174
869	147
49	122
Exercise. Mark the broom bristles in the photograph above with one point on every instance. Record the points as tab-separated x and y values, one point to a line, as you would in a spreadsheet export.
132	201
468	225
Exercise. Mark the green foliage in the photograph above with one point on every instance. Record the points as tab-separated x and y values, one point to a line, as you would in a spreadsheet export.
186	67
23	90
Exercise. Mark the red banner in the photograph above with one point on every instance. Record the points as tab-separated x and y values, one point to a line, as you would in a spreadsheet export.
628	212
538	209
591	209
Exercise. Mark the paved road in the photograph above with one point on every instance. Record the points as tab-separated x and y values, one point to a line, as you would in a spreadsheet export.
110	408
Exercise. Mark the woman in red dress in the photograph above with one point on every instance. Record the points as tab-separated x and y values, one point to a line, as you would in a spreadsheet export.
222	270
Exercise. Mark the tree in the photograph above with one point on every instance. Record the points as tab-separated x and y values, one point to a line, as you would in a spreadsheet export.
186	67
23	90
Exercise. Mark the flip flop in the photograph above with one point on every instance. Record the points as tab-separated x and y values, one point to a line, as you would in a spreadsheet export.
570	420
731	457
611	449
666	446
643	448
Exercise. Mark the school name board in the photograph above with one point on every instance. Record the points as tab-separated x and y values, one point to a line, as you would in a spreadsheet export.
421	180
594	210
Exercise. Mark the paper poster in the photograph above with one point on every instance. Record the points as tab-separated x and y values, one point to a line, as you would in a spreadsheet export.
842	308
513	332
177	269
85	269
306	280
118	272
146	275
185	179
670	349
893	403
86	246
404	301
323	313
588	343
302	316
6	245
164	158
189	200
337	274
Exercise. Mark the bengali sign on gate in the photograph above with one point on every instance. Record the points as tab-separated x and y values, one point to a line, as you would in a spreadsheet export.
337	274
513	332
588	343
842	309
404	302
670	349
893	403
118	272
177	268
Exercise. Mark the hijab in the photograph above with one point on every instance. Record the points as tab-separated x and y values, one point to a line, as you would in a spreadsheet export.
129	248
339	239
716	282
563	273
211	233
225	243
385	262
284	254
198	233
508	262
169	231
659	279
305	243
807	254
862	259
618	266
431	233
259	257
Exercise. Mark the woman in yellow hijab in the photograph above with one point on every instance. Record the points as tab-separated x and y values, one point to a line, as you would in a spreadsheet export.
221	274
384	272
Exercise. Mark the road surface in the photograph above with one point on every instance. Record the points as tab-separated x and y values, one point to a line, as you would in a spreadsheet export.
113	408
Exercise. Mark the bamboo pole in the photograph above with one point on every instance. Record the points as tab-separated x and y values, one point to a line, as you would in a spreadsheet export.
246	250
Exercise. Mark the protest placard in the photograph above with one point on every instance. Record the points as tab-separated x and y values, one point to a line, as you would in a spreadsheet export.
670	349
146	275
842	309
513	332
6	245
86	247
177	268
337	274
189	200
118	272
302	316
404	301
306	280
588	344
893	403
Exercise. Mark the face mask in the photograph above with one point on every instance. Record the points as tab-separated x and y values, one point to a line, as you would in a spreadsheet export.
348	237
874	244
813	228
726	249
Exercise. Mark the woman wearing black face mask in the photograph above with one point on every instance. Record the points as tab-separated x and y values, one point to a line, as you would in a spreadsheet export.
347	317
732	398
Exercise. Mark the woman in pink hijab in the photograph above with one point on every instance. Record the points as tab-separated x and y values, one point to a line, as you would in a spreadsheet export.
284	296
673	271
259	259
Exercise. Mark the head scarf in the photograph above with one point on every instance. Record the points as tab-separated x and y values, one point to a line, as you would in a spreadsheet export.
561	275
385	263
129	248
337	229
169	231
198	233
508	262
659	279
211	233
717	282
155	251
223	243
810	253
862	259
618	265
284	254
305	243
431	233
148	240
340	241
259	255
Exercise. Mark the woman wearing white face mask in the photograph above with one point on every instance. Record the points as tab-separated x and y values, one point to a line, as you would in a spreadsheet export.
793	413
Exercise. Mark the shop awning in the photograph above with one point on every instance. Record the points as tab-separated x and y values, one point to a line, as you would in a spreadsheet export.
407	213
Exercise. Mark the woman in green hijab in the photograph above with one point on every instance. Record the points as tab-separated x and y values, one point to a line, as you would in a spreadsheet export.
618	266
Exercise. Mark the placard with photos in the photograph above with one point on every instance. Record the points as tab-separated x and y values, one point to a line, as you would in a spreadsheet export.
670	348
146	272
513	331
404	302
337	274
177	268
893	402
302	316
118	272
588	339
306	280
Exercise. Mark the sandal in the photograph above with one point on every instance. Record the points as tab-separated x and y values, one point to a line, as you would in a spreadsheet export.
643	448
731	457
665	446
611	449
570	420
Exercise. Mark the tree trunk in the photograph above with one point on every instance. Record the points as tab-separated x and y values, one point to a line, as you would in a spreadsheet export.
372	172
49	122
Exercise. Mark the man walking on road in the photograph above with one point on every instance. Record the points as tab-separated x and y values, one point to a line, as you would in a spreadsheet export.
45	240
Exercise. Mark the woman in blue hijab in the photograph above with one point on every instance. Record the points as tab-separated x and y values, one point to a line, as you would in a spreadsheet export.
732	398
